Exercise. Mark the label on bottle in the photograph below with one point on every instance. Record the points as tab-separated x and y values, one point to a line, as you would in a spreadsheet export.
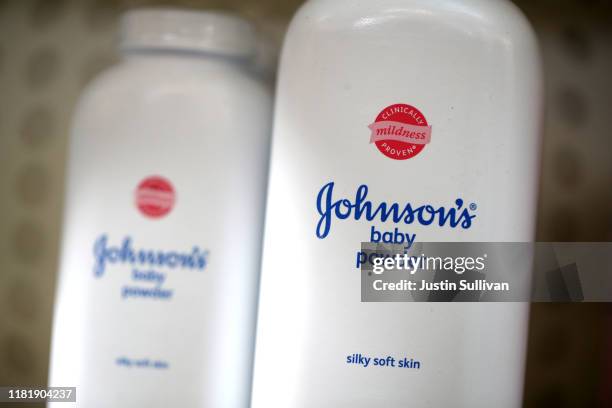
400	132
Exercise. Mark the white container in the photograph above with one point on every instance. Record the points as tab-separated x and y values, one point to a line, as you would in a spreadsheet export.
469	69
164	213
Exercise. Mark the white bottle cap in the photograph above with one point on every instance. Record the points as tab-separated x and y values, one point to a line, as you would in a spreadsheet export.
213	32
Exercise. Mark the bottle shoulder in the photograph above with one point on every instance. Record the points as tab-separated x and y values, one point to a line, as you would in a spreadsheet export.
132	81
494	16
407	32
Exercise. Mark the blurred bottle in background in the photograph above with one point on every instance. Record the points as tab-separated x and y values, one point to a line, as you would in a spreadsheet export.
163	217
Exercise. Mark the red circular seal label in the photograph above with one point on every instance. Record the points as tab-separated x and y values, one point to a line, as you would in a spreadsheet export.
407	115
155	197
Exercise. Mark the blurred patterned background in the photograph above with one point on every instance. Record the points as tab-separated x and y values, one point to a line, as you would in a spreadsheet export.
50	49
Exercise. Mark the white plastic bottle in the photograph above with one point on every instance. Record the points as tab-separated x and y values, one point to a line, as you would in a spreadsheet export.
461	79
163	220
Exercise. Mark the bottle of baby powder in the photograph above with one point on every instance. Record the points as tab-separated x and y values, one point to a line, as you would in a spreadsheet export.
408	121
162	230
